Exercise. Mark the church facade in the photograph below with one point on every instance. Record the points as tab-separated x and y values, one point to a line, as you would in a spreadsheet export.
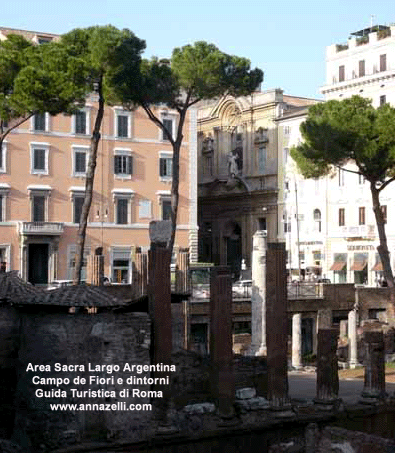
238	181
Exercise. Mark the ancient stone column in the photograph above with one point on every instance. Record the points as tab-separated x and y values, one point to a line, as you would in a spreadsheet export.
352	339
374	381
159	302
276	326
297	340
182	267
327	369
221	353
324	318
258	296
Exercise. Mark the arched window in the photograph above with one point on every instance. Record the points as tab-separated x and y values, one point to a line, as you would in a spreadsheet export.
317	220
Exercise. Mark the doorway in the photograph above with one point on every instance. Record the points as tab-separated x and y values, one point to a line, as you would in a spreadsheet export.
38	264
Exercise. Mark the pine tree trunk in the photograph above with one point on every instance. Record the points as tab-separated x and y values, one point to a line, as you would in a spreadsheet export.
383	247
90	175
176	180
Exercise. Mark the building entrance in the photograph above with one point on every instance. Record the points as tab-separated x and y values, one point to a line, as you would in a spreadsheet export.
38	264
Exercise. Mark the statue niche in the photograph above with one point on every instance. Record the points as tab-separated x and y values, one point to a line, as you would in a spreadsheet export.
235	157
208	155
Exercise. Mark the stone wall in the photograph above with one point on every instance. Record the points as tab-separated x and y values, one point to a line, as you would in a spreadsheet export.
191	382
104	339
9	334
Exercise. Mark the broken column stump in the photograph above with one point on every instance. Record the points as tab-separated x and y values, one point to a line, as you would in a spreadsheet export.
258	294
374	380
276	329
297	341
352	338
327	370
159	293
221	354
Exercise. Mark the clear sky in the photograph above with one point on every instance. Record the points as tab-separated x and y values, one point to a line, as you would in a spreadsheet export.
285	38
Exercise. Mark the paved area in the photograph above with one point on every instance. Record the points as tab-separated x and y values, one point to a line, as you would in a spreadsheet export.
302	385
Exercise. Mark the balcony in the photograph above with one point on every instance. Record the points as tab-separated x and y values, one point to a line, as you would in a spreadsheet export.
41	228
360	231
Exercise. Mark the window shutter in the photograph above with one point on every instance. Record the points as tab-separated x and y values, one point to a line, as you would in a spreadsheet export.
116	165
130	165
80	122
39	122
383	62
78	203
80	162
122	211
38	208
39	159
122	126
162	166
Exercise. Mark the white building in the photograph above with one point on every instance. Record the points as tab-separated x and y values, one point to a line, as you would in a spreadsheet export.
364	66
337	229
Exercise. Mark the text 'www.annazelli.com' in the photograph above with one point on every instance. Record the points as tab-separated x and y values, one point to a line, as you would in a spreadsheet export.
119	406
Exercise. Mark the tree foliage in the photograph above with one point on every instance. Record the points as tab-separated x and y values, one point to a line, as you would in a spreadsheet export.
336	132
106	51
194	73
36	79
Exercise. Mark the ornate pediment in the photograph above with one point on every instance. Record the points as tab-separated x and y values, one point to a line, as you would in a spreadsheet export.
231	186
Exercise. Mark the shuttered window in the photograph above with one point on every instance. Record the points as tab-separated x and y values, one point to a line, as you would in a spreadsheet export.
80	162
122	124
361	215
80	122
383	62
78	202
39	159
38	208
123	165
341	73
166	166
166	209
361	68
39	122
342	218
168	124
122	211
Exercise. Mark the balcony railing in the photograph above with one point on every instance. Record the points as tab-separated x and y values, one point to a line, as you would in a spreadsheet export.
305	291
357	231
41	228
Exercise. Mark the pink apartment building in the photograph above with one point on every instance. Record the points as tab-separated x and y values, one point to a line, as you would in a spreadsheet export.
42	182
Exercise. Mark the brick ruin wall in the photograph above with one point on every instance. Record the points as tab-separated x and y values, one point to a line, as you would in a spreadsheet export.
43	338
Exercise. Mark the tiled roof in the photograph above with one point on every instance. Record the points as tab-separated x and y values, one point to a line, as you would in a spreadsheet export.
77	296
15	290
